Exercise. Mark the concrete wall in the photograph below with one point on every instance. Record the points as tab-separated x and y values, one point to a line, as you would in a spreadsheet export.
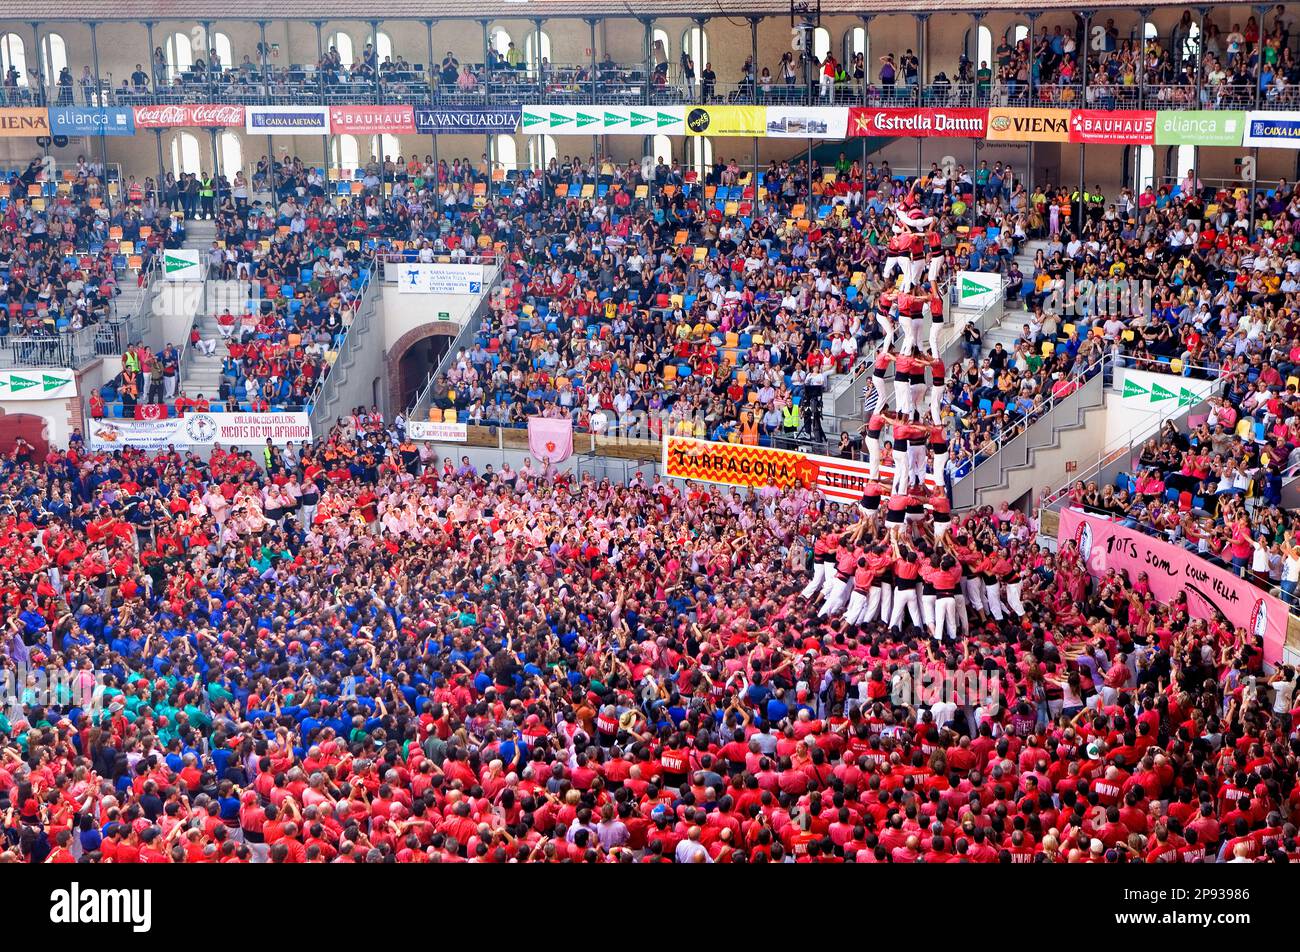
405	312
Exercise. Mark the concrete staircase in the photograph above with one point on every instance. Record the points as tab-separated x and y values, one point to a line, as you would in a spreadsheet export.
201	374
1014	316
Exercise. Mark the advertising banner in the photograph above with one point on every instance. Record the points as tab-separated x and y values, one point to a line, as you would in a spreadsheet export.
437	432
1200	127
726	120
91	121
372	120
1103	127
1029	125
962	123
1277	129
467	119
188	114
287	120
183	264
1145	390
977	289
418	278
202	429
24	122
603	120
738	464
38	384
1174	571
807	122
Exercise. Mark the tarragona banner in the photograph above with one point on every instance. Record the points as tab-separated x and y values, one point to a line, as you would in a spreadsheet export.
1173	571
753	467
1001	124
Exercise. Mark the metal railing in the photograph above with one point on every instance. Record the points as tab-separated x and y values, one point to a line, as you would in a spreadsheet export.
363	305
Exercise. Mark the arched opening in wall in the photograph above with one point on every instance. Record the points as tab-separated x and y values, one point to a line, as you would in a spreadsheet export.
28	427
179	50
1152	31
1146	166
224	51
54	54
1016	33
983	46
661	53
1184	160
505	152
383	46
13	59
855	44
346	155
186	157
662	148
342	44
695	44
499	41
821	43
541	149
230	150
700	154
530	51
1191	43
417	364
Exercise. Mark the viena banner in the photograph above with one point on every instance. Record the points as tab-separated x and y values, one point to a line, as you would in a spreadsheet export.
469	120
91	121
923	123
202	429
419	278
1278	129
188	114
16	122
287	120
1029	125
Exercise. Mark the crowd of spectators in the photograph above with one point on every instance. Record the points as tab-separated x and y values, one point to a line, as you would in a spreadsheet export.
354	652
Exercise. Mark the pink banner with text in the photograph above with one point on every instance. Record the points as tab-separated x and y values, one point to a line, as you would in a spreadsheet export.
1172	570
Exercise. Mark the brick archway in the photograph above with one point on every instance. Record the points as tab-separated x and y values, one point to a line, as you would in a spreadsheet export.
393	359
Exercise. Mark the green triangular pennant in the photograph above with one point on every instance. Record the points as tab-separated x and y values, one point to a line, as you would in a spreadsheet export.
559	120
1188	399
1159	393
586	120
639	120
665	119
1134	389
49	383
613	118
17	384
532	119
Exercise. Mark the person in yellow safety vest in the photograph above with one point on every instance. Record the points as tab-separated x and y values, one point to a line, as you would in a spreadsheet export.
790	419
207	196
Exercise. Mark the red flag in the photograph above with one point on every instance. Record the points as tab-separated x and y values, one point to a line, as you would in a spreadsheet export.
151	411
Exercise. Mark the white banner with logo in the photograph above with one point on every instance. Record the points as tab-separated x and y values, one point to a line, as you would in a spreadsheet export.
437	432
807	122
202	429
38	384
977	289
183	264
287	120
418	278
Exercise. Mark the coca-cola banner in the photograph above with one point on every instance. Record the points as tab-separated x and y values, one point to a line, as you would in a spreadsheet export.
188	114
1102	127
961	123
372	120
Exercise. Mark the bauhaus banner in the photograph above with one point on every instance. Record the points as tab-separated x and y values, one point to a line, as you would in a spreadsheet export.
926	123
1103	127
371	120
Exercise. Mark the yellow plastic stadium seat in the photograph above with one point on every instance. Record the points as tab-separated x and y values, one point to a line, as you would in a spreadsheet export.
1068	329
1176	365
1293	381
643	191
449	415
588	190
640	368
677	299
797	211
670	372
701	254
732	339
1048	348
1127	336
